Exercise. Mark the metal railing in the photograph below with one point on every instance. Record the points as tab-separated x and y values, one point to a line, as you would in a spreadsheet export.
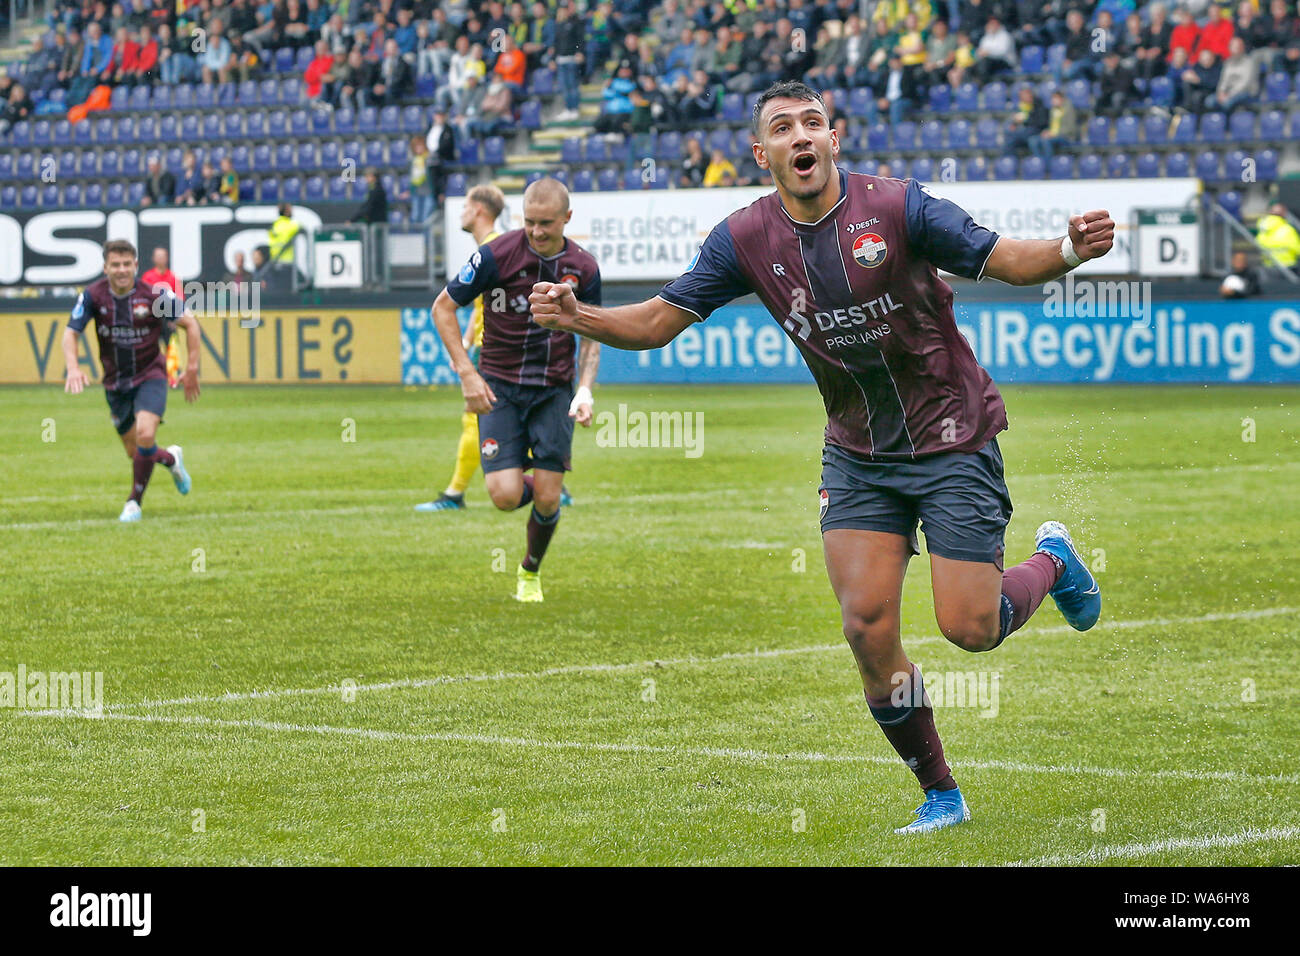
1222	226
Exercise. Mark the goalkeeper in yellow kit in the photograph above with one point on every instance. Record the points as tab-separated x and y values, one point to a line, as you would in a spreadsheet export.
483	207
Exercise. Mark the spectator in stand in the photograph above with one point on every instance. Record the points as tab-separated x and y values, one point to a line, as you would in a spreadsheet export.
240	274
466	62
996	53
1282	29
539	40
898	97
217	59
650	111
441	142
144	68
1117	89
694	165
1177	68
374	208
796	56
940	54
616	109
518	26
1027	124
471	107
1131	38
229	181
17	107
335	32
421	184
828	56
1242	282
885	171
1217	33
703	54
668	21
270	32
569	58
911	54
1062	128
1080	62
281	235
159	185
189	189
701	104
244	59
963	59
1239	80
94	61
511	66
262	272
1152	54
161	274
1185	35
393	77
1200	82
729	66
210	191
1278	238
597	32
358	77
315	78
43	65
678	61
1104	34
175	64
495	111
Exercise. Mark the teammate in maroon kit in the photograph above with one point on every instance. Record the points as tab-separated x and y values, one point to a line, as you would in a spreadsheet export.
522	389
131	319
847	264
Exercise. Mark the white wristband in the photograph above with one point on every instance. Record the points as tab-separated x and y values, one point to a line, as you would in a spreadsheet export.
581	397
1068	254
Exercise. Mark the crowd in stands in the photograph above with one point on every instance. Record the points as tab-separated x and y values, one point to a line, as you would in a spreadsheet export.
664	66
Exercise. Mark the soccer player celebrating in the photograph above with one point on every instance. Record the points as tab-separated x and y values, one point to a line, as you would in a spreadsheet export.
131	319
483	207
522	390
847	264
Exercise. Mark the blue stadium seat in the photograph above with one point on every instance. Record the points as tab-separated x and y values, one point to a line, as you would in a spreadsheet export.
994	97
904	135
530	115
233	125
330	154
1207	166
241	159
988	133
105	130
1155	130
1079	93
959	134
1119	166
1272	126
161	98
966	99
1004	167
398	153
1055	57
877	137
597	150
115	195
1277	88
83	133
1266	165
426	86
292	91
255	122
542	83
247	189
261	158
8	197
977	169
859	104
22	133
1090	166
189	97
270	190
373	152
173	160
632	179
1126	131
345	122
305	55
352	152
119	99
1241	126
314	190
133	163
134	193
1031	167
456	184
26	166
216	155
669	146
284	157
561	176
467	152
300	123
67	166
338	189
246	93
1031	59
1214	128
41	133
1098	132
211	127
110	163
1148	166
28	198
571	150
1178	165
1236	163
292	189
867	167
922	169
71	196
733	108
167	128
277	124
50	197
494	151
6	165
582	181
607	181
146	130
413	120
390	120
941	98
139	98
61	133
94	195
1185	130
1231	202
368	120
268	93
320	121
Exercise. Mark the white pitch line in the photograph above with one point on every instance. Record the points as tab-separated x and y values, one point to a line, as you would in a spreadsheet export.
1130	851
728	753
412	682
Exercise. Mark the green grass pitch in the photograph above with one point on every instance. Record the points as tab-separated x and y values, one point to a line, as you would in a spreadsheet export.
684	695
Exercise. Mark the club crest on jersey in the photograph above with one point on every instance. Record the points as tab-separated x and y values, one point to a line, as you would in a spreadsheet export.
140	310
825	502
490	448
869	250
570	278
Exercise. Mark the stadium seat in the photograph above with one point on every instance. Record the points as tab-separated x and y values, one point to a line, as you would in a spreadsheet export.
1177	165
50	197
26	166
494	151
582	181
161	98
1241	126
632	179
412	120
261	158
167	128
134	193
571	150
115	195
1031	59
1148	166
542	83
314	189
6	165
284	157
241	159
399	153
139	98
922	169
83	133
246	93
110	163
607	181
1277	88
211	127
174	161
277	124
977	169
268	93
860	102
119	99
1090	166
456	184
966	99
373	153
1098	131
1161	91
1031	167
94	195
530	115
330	154
467	152
1231	202
904	135
67	166
300	123
227	94
233	125
1272	126
215	155
41	135
733	108
959	134
1266	165
132	163
292	189
28	198
8	197
1126	131
1207	166
305	55
390	120
988	134
669	146
561	176
994	97
1155	130
22	133
941	98
256	123
1213	128
105	130
532	178
61	133
1079	93
338	189
877	137
71	197
1185	129
1004	167
205	96
1119	166
352	152
868	167
368	120
146	130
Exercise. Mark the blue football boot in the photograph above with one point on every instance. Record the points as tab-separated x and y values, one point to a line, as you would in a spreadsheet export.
1076	592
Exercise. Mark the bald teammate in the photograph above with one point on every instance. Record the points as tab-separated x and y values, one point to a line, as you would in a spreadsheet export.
522	390
846	263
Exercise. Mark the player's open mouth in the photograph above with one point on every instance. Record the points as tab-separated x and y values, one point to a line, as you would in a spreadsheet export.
804	163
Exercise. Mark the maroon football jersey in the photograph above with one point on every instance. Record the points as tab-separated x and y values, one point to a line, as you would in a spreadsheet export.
130	328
